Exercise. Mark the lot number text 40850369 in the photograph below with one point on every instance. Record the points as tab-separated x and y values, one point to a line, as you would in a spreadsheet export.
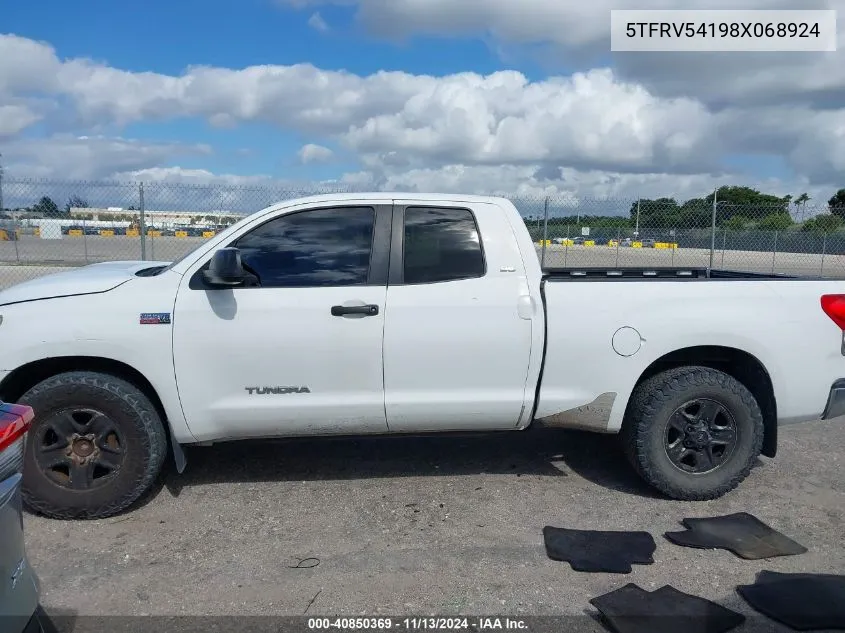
418	624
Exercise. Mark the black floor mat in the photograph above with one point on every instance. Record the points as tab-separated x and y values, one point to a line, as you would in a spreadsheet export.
631	609
596	551
741	533
805	602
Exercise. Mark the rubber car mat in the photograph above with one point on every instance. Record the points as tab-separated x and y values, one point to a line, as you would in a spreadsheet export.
804	602
743	534
632	609
599	551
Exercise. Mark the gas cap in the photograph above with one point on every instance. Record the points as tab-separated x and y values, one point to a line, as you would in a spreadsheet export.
627	341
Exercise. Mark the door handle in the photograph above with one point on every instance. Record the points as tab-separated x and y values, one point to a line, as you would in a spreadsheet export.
366	310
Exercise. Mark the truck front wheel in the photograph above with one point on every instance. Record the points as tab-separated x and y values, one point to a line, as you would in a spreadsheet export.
694	433
96	445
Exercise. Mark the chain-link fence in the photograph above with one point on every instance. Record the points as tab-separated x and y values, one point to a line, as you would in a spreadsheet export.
46	225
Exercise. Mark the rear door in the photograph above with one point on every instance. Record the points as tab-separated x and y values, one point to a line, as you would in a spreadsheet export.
456	342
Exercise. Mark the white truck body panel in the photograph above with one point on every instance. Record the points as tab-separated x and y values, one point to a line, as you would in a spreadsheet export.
778	322
278	338
458	355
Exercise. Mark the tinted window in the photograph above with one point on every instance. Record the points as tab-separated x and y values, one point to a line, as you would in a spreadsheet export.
323	247
441	245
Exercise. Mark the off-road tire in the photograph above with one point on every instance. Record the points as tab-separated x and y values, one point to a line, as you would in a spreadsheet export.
653	402
138	421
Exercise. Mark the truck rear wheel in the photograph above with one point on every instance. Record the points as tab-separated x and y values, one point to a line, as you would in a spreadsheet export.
694	433
96	445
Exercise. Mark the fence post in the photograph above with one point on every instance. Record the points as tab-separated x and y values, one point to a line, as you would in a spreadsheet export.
141	224
824	248
724	242
637	226
566	246
85	239
15	230
774	252
674	242
618	239
545	231
713	228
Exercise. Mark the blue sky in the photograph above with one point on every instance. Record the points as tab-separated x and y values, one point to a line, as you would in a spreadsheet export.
167	37
480	95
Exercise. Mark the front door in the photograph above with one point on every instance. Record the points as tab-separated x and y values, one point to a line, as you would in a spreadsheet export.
301	351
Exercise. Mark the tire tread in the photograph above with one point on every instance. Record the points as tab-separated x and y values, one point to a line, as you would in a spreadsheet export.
643	413
153	438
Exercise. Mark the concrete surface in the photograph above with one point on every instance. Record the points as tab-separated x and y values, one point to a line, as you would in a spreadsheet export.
35	257
448	525
437	525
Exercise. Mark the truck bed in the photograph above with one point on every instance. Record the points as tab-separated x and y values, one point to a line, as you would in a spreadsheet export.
599	338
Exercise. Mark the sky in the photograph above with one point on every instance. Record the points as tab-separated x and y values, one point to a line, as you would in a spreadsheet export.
476	96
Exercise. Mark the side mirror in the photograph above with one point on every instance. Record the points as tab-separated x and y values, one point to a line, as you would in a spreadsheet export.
225	269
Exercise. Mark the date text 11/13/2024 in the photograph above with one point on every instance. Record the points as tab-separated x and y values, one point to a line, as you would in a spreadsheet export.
418	623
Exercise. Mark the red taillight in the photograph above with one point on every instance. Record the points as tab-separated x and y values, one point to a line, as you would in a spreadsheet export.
14	423
834	307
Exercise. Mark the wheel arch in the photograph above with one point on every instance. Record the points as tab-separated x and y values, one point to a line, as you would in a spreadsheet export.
20	380
744	367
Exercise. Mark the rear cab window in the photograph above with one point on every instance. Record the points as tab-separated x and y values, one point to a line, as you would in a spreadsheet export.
441	244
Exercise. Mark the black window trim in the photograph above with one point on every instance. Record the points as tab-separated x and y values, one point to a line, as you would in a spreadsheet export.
396	276
379	253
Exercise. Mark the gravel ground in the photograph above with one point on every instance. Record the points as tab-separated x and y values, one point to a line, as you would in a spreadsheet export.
78	251
445	525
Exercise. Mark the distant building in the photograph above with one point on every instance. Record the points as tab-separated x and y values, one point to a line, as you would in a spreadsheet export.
168	219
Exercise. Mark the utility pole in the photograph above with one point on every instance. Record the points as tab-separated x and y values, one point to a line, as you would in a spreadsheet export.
713	228
637	227
1	184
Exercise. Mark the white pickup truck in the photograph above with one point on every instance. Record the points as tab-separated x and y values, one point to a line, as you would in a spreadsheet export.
376	313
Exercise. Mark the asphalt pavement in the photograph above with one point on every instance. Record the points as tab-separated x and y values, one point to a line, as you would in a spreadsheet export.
434	525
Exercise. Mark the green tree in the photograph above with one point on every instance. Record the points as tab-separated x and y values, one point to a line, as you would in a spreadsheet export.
733	200
775	222
696	213
657	214
77	202
823	223
737	223
801	203
47	208
836	204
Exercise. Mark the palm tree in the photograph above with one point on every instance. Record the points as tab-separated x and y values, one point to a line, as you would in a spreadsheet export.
802	201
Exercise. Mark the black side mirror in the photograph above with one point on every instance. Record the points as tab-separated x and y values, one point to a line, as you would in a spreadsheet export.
225	269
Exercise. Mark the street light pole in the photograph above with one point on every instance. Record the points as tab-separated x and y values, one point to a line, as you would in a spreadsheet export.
637	227
1	184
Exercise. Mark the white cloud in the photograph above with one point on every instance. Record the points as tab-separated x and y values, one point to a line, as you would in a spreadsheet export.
594	130
312	153
586	187
573	31
317	22
15	118
83	158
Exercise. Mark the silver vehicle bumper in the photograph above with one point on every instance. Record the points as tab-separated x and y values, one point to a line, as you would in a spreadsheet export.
835	406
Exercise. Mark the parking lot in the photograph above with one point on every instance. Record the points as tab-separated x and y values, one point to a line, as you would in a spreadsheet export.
445	525
31	251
